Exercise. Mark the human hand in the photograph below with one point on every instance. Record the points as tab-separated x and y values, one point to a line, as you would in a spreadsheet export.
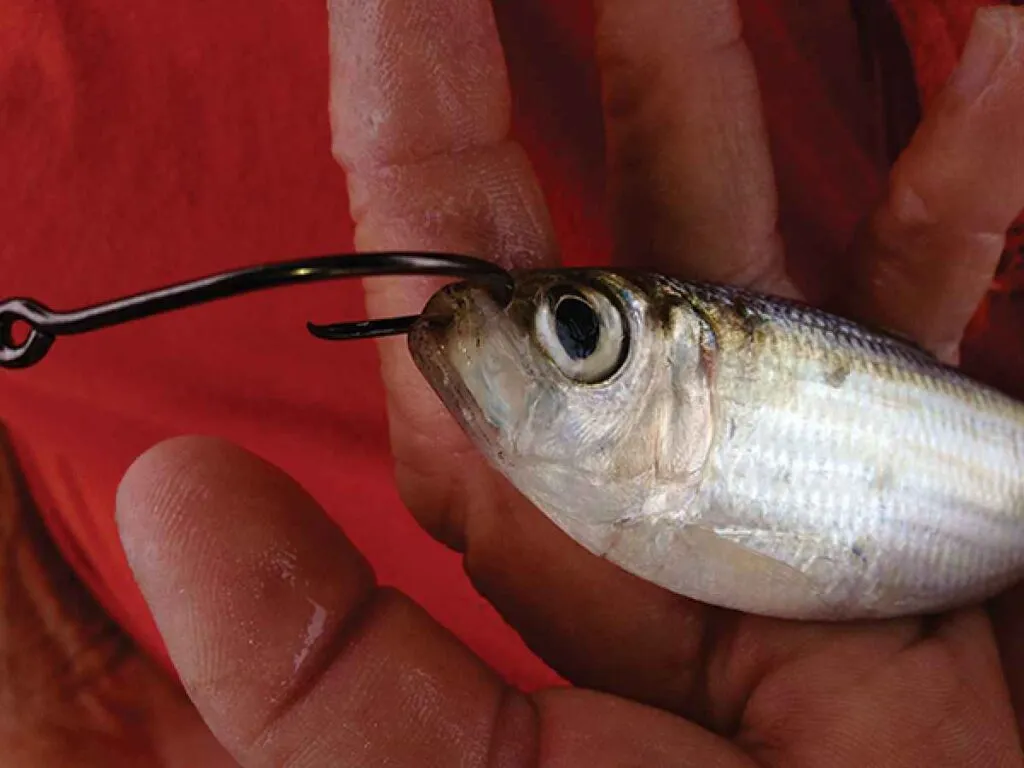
293	656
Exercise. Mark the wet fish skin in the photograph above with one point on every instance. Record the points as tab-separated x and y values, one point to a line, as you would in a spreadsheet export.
749	452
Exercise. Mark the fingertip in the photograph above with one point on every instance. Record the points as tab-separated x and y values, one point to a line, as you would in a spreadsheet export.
190	474
154	463
995	34
190	494
147	496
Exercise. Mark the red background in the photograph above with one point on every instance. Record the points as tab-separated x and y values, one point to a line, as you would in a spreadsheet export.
151	142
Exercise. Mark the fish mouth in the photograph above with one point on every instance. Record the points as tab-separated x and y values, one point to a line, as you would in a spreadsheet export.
456	310
476	358
439	313
445	305
431	333
450	320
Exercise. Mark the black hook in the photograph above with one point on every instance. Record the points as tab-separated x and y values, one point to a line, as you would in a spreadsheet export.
45	325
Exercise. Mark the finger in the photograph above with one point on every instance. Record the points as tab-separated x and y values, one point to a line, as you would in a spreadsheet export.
689	163
294	657
887	693
420	109
930	251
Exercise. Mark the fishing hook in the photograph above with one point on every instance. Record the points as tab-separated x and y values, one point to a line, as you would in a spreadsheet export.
45	325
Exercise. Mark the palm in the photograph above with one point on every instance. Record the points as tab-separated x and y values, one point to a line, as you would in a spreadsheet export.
694	194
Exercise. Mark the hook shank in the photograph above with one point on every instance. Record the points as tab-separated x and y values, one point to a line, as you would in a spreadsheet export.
45	325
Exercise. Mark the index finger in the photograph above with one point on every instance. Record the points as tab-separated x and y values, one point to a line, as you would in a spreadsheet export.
693	186
421	112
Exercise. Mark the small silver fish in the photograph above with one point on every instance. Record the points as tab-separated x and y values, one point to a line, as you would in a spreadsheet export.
744	451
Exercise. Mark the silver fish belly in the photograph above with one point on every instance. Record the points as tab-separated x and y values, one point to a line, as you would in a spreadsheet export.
742	451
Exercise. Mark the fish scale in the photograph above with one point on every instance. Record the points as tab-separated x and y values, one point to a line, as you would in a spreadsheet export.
955	457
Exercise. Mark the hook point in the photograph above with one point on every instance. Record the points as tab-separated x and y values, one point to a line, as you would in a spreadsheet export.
362	329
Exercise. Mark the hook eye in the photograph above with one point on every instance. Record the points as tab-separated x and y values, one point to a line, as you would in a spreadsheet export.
33	348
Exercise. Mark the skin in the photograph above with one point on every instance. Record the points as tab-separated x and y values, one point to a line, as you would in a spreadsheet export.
317	665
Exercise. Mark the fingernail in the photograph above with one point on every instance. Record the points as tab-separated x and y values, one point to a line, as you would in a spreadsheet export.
990	40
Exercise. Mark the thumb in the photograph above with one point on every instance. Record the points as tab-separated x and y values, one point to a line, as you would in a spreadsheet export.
435	170
293	656
284	643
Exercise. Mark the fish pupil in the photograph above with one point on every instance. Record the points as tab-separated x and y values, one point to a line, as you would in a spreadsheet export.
578	327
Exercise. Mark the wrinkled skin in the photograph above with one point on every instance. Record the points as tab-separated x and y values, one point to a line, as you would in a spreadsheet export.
662	681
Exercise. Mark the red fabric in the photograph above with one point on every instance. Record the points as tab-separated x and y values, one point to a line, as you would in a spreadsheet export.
143	146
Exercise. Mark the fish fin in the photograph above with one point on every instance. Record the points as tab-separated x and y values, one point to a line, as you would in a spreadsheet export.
753	570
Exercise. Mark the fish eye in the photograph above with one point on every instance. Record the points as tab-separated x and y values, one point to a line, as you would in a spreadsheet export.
582	333
578	326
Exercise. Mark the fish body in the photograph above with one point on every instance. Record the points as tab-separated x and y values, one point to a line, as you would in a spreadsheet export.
741	450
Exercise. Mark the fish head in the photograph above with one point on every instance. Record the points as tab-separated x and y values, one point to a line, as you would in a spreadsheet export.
588	389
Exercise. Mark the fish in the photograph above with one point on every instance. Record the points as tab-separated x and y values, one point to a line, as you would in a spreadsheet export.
741	450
